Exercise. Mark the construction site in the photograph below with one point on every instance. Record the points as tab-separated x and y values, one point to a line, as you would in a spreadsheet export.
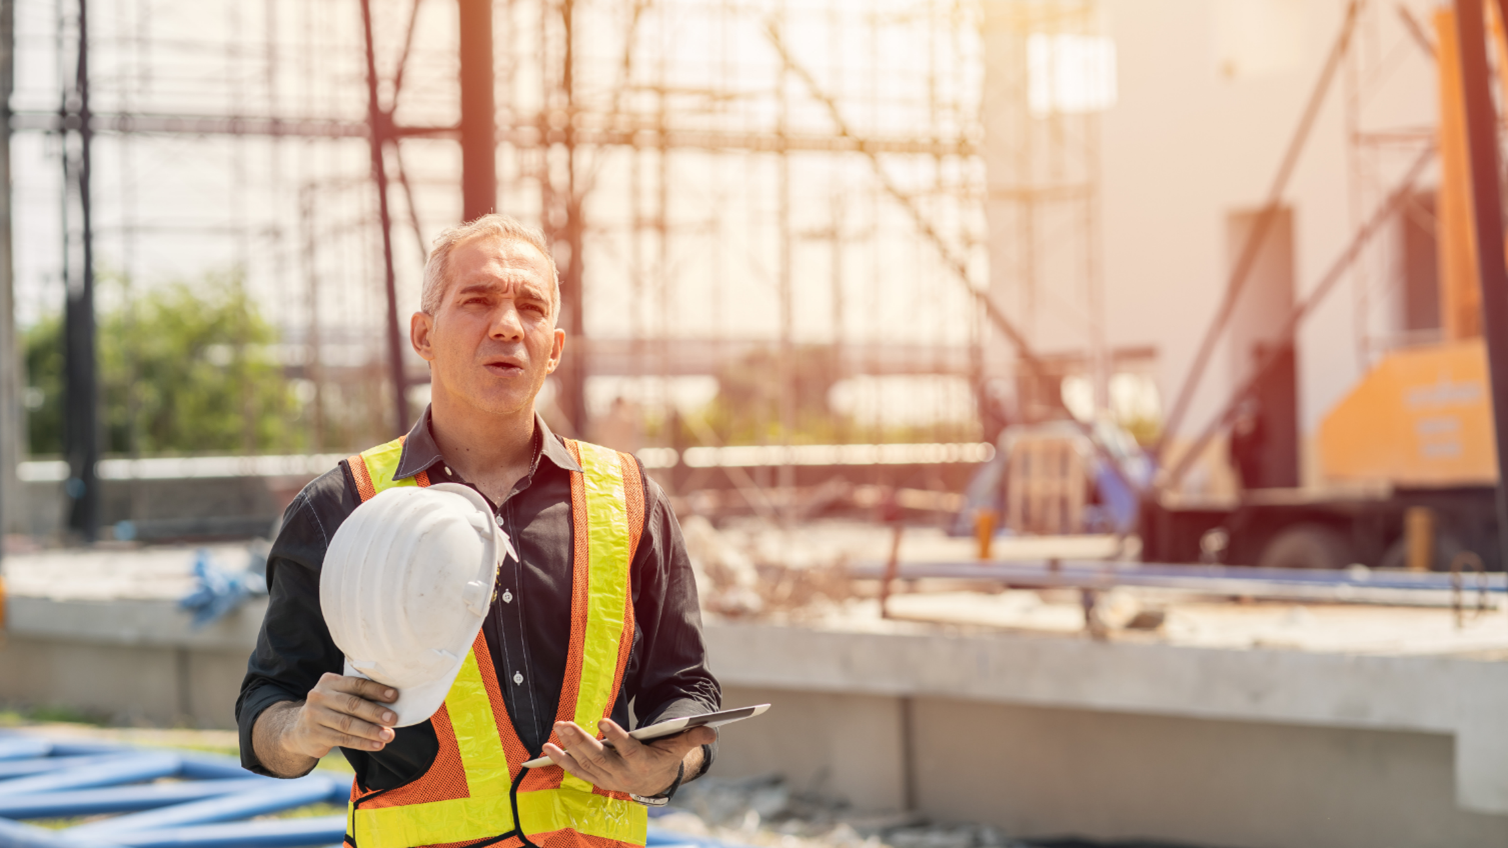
1081	416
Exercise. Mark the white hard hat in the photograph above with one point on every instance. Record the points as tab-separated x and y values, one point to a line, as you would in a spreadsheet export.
406	584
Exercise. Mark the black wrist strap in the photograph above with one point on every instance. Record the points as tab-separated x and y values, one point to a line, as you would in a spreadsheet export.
680	775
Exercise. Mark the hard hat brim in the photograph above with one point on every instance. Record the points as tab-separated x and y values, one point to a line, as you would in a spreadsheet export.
415	704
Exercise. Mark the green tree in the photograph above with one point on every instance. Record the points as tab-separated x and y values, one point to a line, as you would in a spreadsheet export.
44	386
184	368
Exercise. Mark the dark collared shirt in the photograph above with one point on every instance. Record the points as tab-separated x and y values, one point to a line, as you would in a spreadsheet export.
527	629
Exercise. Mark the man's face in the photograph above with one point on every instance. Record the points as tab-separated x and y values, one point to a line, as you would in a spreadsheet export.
493	340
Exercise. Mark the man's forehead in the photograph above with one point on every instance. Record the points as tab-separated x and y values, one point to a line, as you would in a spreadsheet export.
498	257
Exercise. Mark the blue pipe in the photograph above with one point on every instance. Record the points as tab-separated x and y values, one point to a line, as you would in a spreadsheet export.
17	835
41	765
23	747
285	795
282	833
211	767
125	768
121	799
73	748
661	838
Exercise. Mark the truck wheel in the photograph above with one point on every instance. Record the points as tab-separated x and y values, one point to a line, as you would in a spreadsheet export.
1446	548
1307	546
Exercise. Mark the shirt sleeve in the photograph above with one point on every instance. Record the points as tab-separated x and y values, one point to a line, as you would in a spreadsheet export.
294	647
668	675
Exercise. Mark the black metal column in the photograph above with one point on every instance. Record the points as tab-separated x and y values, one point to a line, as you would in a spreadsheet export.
82	401
478	116
1487	209
12	421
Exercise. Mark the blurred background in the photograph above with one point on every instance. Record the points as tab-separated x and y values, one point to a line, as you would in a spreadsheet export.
1110	378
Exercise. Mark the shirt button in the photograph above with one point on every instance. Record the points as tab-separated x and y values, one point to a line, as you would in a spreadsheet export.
507	596
499	520
447	470
518	677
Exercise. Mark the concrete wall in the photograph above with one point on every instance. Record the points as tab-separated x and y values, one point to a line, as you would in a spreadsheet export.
164	508
1043	772
130	661
126	684
1039	736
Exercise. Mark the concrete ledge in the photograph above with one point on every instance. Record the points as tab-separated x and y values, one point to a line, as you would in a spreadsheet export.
1465	699
146	623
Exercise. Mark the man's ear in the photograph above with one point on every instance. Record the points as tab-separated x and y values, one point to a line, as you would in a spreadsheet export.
419	328
556	350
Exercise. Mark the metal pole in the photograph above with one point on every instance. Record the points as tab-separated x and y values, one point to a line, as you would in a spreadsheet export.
572	373
79	331
1482	149
478	118
12	423
378	122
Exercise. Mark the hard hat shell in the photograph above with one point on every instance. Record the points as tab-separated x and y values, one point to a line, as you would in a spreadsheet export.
405	586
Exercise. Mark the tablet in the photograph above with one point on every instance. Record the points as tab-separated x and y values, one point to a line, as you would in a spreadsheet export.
671	727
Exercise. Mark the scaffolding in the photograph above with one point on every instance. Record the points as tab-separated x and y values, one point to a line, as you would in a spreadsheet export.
797	190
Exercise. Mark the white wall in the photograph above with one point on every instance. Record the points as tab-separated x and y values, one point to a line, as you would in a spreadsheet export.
1186	144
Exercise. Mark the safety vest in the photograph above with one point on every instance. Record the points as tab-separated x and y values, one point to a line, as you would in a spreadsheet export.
477	792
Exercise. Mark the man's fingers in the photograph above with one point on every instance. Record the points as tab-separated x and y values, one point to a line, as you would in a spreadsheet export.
563	758
583	747
345	695
347	725
361	687
629	748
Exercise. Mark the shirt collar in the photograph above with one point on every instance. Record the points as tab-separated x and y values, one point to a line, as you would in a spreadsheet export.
420	451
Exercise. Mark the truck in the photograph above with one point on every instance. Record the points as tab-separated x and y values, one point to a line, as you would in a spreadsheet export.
1407	460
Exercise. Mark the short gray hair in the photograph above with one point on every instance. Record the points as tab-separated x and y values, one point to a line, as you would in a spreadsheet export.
494	224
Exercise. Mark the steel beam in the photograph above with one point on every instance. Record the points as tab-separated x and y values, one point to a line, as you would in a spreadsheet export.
377	123
478	115
82	432
1487	209
591	129
12	418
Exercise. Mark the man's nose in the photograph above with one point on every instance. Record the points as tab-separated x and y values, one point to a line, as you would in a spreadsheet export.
506	324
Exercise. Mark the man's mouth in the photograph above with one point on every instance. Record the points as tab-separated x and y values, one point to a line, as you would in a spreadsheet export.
504	369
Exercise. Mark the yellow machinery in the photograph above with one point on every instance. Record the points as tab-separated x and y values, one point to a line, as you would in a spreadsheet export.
1423	416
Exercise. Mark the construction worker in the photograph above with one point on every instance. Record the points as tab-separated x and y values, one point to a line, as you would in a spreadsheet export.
599	609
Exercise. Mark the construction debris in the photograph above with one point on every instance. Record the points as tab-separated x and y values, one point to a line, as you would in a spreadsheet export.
765	811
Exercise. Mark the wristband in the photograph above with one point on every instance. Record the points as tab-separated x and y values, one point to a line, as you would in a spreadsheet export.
663	798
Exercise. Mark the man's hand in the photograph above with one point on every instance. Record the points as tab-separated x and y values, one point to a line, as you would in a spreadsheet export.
348	712
628	765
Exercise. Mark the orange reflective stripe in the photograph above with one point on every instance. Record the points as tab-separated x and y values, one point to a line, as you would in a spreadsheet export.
363	478
513	747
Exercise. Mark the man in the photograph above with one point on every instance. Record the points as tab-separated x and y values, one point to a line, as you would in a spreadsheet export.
556	635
